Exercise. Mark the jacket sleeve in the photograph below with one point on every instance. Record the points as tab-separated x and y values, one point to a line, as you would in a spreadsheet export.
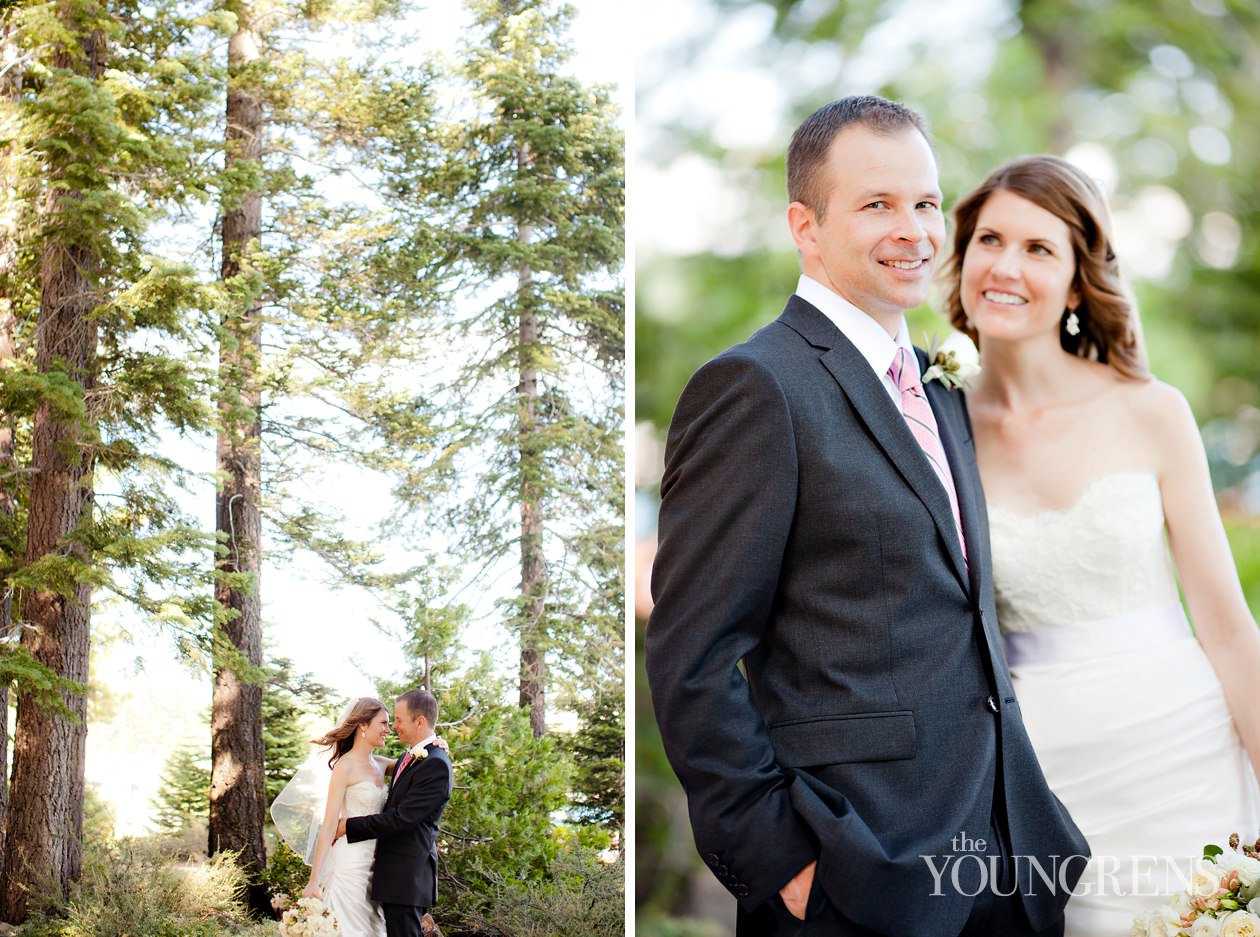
426	793
728	498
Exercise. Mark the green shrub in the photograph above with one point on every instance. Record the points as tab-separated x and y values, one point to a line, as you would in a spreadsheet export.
581	897
138	887
286	874
508	786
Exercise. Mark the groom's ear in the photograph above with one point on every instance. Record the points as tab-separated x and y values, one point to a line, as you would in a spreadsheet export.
800	222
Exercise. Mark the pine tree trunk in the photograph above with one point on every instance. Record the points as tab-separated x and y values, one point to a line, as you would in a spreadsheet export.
9	74
44	846
237	800
533	676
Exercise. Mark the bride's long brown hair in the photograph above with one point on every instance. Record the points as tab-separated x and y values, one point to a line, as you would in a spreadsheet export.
341	738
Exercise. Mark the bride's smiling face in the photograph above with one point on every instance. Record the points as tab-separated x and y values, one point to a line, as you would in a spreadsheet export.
1018	272
378	729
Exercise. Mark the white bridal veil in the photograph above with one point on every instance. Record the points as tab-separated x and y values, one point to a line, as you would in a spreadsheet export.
299	808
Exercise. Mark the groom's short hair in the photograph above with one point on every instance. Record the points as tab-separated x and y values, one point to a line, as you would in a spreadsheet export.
421	703
807	153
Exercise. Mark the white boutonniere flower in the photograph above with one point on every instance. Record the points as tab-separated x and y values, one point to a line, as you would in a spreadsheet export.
953	362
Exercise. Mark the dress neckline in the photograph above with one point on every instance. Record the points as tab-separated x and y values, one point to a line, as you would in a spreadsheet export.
379	787
1092	486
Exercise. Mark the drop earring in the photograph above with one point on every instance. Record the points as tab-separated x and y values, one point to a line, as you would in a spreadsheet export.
1073	324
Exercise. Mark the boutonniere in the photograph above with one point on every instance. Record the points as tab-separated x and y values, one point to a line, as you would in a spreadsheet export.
420	755
953	362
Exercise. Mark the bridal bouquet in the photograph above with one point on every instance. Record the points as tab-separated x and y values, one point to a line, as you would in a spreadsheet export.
310	917
1223	899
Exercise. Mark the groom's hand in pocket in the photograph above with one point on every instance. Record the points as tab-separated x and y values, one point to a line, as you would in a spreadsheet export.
795	894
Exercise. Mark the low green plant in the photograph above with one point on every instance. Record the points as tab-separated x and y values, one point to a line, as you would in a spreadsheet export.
139	886
286	874
582	896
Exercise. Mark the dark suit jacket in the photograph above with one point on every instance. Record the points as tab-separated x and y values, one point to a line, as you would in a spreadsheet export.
804	534
405	871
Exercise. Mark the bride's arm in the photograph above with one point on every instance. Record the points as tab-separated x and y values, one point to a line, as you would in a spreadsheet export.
1223	623
387	764
332	811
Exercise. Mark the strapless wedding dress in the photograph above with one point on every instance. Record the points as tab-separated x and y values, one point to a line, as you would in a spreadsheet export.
1127	716
346	875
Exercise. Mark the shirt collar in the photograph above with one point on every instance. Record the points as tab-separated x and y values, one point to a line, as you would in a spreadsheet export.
867	335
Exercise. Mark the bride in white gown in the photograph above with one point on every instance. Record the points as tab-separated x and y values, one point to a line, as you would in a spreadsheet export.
1092	471
341	872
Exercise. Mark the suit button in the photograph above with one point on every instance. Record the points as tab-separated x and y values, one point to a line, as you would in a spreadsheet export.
741	891
992	704
712	858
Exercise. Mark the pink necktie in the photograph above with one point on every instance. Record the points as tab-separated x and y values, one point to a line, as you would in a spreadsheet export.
406	760
918	413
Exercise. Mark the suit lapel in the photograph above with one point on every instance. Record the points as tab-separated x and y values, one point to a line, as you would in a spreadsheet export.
956	440
396	781
876	409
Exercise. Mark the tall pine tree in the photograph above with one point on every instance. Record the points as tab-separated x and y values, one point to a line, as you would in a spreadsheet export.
10	75
84	392
539	187
44	845
237	805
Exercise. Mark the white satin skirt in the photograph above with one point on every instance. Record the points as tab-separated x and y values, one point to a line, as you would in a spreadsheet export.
1131	727
346	879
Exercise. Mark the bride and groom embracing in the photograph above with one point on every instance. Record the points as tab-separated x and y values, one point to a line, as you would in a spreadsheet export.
897	711
372	849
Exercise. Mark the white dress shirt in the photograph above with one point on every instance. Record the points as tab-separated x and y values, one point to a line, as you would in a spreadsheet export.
417	750
868	336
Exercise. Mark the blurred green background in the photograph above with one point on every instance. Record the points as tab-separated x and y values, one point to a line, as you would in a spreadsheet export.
1158	99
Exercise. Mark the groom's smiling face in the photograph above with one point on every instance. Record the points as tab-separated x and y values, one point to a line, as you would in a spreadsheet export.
875	238
408	725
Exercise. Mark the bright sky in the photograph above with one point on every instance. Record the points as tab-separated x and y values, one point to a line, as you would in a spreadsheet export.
151	703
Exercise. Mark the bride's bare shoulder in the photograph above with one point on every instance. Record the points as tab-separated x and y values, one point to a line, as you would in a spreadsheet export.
1160	411
1152	399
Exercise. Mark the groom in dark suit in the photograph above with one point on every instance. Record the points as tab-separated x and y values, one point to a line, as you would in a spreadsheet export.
823	655
404	875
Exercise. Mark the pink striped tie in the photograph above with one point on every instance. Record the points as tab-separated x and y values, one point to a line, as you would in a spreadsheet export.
402	765
918	413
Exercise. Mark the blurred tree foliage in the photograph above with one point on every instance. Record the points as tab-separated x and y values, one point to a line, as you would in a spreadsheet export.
1157	98
1166	88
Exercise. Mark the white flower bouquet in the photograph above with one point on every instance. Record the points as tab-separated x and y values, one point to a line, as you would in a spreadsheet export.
310	917
1222	900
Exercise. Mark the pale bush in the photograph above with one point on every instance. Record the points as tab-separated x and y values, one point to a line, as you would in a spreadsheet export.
137	887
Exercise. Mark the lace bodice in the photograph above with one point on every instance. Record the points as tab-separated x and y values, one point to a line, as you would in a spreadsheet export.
1103	557
363	798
